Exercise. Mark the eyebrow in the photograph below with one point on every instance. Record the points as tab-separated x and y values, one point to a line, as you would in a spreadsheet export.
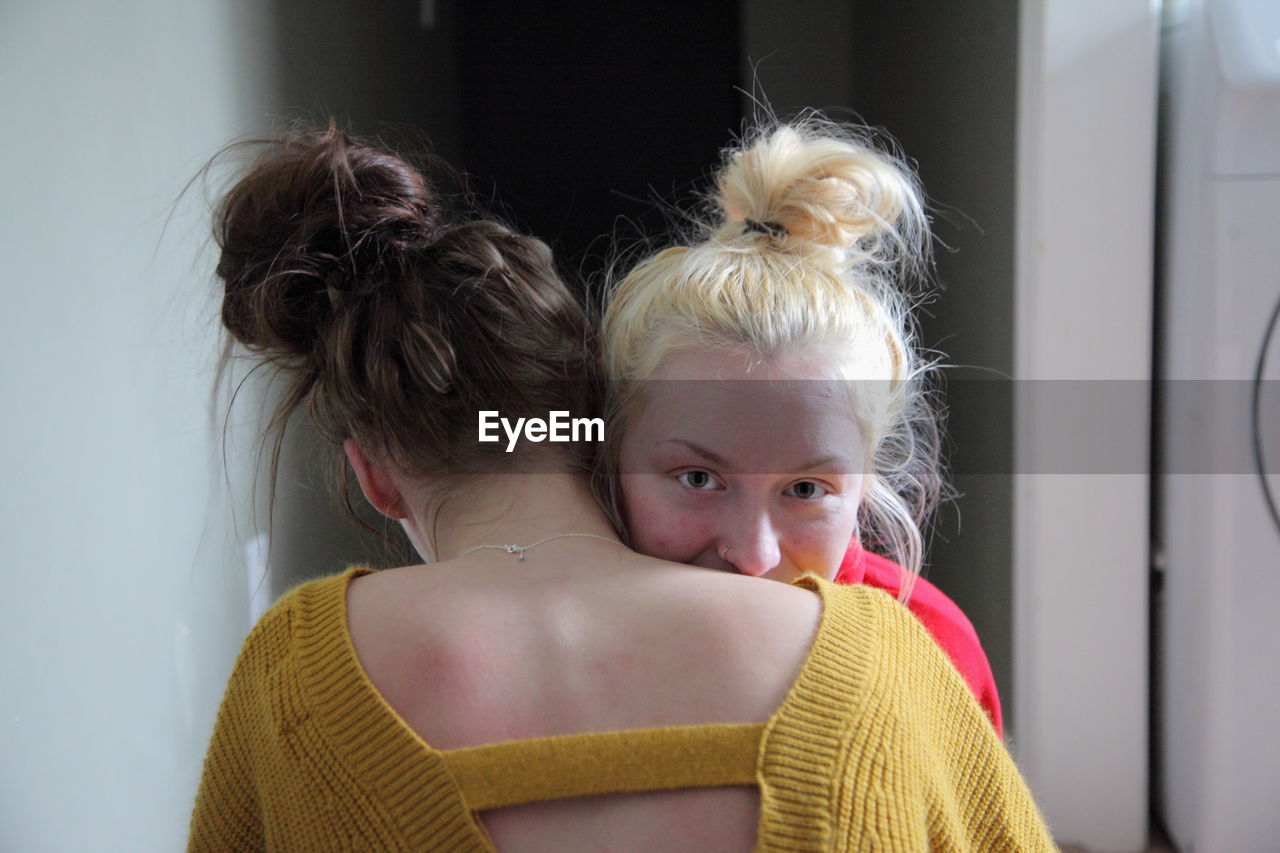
710	456
719	461
822	461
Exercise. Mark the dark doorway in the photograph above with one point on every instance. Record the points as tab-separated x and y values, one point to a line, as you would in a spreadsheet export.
583	115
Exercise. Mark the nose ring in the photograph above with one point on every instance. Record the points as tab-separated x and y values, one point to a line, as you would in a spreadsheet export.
724	552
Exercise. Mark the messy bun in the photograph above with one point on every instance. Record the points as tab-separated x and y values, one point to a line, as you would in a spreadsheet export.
300	232
393	319
814	234
799	187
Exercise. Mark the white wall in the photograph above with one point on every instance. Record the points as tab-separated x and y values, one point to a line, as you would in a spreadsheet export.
1083	308
1218	770
124	590
124	517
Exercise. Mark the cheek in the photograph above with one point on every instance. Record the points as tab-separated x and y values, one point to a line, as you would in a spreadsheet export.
821	547
657	526
814	541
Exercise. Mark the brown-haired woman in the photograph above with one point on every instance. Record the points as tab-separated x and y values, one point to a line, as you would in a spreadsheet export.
538	685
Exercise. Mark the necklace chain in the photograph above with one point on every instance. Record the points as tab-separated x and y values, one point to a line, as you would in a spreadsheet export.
520	549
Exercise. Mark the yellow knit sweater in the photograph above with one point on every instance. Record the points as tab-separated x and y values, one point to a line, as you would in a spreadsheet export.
878	746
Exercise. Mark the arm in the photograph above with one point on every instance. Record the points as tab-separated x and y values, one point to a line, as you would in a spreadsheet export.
228	813
976	797
945	621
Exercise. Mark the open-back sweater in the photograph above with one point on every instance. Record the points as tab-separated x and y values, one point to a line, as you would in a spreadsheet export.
879	745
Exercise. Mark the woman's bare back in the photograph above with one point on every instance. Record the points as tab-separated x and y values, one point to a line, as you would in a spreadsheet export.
494	651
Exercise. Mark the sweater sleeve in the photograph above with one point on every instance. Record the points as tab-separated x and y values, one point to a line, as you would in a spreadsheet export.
955	635
968	793
228	812
943	618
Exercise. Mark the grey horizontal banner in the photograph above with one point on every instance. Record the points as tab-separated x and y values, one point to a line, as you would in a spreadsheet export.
1198	427
1063	426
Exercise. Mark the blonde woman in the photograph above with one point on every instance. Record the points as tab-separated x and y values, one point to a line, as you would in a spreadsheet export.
768	411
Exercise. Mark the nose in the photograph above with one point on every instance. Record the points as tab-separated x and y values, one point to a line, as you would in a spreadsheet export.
752	544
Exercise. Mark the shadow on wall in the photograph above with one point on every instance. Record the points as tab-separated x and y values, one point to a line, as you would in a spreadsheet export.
311	533
943	80
389	69
391	75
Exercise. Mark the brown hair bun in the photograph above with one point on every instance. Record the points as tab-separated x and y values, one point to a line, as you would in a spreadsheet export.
303	230
392	319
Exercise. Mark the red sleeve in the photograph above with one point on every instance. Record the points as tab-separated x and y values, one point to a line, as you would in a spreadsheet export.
947	623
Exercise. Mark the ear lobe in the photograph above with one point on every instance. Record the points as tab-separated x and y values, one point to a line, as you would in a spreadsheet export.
379	487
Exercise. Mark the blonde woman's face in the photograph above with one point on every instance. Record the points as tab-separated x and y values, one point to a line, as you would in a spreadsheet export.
745	465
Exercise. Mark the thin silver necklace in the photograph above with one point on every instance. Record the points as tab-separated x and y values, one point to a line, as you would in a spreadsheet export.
519	550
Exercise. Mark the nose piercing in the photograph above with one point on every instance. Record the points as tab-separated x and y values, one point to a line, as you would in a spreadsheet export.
723	552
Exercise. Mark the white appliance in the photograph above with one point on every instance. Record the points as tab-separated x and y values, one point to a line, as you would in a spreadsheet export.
1218	648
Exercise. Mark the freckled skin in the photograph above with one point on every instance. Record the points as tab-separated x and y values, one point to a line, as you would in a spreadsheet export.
762	456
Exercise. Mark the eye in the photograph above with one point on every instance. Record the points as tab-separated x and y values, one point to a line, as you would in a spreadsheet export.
697	480
807	490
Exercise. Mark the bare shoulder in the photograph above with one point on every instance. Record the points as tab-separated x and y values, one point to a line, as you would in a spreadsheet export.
395	640
372	613
743	606
396	605
753	636
656	645
371	599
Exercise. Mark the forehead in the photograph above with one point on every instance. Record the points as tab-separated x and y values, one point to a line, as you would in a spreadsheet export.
769	414
810	363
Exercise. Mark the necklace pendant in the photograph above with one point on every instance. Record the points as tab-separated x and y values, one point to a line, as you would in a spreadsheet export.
518	550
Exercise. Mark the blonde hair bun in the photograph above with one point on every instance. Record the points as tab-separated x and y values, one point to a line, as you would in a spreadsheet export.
817	185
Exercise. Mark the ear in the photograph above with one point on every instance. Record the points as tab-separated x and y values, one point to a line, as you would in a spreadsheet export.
376	482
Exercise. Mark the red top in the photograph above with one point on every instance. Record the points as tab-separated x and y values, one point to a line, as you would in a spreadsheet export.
946	622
